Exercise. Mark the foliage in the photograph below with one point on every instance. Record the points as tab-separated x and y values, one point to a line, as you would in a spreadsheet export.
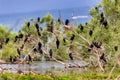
47	18
76	76
109	37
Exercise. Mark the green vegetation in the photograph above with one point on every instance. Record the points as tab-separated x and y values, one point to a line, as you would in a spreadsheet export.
90	75
107	35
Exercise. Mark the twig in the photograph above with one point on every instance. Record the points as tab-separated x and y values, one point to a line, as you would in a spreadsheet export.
82	37
111	71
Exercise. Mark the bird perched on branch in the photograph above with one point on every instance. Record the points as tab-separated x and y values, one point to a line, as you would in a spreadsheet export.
37	27
90	32
116	48
16	38
26	38
39	33
20	36
40	51
102	57
29	58
7	40
38	19
22	46
103	21
59	21
39	45
14	59
18	51
28	24
80	27
94	44
101	15
0	45
64	40
50	53
11	59
57	43
72	38
35	50
67	22
70	56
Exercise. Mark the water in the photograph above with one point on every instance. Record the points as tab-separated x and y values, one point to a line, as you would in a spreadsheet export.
16	20
39	67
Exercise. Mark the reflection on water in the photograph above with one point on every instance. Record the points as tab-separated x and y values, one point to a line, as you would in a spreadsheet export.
39	67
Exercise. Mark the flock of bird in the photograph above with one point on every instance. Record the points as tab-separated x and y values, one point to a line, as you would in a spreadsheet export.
38	48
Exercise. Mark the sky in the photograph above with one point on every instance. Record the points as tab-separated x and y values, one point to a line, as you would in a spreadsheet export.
23	6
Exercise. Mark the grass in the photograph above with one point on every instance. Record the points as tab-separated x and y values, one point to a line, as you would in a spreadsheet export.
89	75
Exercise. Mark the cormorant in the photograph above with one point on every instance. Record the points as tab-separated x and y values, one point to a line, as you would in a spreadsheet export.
102	15
7	40
35	50
11	59
40	51
91	46
57	43
96	8
102	57
72	38
26	38
18	51
90	32
22	46
38	19
50	53
29	58
105	23
67	22
59	20
70	56
81	27
28	24
37	26
21	35
116	48
16	38
15	59
0	46
64	40
38	33
39	45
